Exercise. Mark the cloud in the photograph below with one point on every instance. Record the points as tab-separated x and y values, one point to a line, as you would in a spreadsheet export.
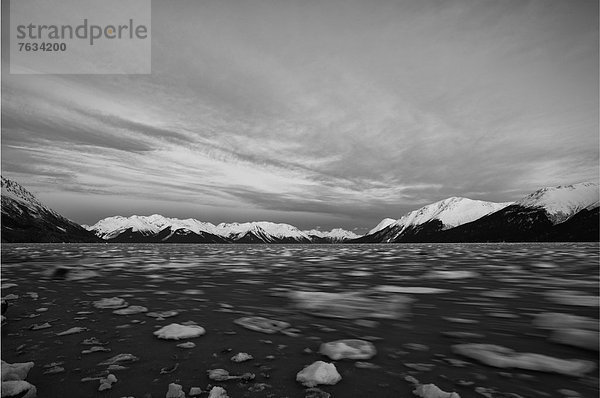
340	111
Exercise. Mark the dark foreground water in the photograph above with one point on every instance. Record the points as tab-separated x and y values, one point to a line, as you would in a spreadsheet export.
492	291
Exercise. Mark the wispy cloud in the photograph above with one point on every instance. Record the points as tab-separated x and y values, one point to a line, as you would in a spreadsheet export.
344	111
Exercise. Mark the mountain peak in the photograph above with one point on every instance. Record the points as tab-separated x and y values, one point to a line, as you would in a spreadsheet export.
12	189
451	212
386	222
150	227
26	219
335	235
563	201
277	230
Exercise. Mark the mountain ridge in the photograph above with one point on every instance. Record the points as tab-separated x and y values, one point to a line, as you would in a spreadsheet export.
25	219
336	235
148	229
536	217
564	212
443	214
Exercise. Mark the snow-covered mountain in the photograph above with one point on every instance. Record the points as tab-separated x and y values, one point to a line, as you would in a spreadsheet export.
442	215
562	202
386	222
26	219
451	212
156	228
267	232
562	213
336	235
15	192
111	227
554	214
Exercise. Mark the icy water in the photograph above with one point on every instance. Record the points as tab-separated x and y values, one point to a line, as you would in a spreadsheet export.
492	291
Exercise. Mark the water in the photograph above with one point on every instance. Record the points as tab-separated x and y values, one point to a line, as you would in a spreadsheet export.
493	290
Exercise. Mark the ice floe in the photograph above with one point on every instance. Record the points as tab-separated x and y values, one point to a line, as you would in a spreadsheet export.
351	305
18	388
93	349
348	349
502	357
410	289
314	392
358	273
5	286
218	392
366	365
120	358
462	335
73	330
574	298
224	375
573	330
241	357
459	320
502	293
15	371
13	380
582	338
176	331
93	341
106	383
318	372
175	391
260	324
110	303
433	391
557	320
79	275
187	345
415	347
169	369
162	314
133	309
37	326
54	370
445	274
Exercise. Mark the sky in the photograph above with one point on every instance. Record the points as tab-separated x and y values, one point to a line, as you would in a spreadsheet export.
317	113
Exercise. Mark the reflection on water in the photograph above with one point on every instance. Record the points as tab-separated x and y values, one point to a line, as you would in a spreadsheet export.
400	297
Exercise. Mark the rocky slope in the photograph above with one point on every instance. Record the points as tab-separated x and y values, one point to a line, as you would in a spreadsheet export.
25	219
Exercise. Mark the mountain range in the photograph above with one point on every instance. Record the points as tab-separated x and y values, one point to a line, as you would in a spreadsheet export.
562	213
157	229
